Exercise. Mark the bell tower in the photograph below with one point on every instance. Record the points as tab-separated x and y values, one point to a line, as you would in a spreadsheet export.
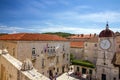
105	70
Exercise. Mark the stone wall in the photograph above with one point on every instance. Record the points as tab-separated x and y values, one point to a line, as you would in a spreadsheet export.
10	69
11	46
77	52
23	50
90	51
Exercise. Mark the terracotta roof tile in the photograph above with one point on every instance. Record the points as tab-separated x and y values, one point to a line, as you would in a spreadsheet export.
77	44
32	37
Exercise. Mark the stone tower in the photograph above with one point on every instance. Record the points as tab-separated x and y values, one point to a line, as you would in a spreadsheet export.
105	70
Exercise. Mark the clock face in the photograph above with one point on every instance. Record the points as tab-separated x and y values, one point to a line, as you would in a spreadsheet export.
105	44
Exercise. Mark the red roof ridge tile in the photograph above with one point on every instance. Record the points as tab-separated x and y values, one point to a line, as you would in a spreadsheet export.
77	44
32	37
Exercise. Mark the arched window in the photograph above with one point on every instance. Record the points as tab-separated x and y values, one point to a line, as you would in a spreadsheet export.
33	51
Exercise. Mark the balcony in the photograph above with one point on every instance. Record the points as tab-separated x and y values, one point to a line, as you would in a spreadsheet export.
51	54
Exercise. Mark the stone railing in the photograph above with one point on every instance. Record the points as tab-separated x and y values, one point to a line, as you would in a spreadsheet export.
13	69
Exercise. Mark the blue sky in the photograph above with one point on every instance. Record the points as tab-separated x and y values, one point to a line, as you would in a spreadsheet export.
73	16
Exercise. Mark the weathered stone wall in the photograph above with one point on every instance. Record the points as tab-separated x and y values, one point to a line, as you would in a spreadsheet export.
23	49
77	52
50	59
104	61
11	46
90	51
10	69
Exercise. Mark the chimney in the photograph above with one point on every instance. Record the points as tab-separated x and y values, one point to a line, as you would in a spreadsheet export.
82	35
94	34
90	34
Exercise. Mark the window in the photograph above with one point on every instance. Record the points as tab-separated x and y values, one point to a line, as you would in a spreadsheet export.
33	51
95	45
57	59
63	48
67	57
63	55
33	54
78	69
83	71
119	46
43	64
43	73
53	50
90	71
114	78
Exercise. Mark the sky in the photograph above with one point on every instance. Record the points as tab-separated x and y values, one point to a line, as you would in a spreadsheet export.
72	16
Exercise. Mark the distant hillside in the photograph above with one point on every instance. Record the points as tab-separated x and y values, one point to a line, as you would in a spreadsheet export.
3	34
62	34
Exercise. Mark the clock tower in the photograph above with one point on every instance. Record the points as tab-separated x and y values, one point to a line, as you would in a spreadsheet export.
105	70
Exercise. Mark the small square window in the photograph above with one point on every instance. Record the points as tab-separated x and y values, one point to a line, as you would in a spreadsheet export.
33	51
119	46
114	78
90	71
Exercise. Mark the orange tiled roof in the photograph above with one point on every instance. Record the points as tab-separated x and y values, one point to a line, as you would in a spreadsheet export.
77	44
82	36
32	37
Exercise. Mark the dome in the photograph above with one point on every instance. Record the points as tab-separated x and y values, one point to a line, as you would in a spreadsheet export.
107	32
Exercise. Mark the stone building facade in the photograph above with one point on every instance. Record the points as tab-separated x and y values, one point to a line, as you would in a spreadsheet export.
77	49
105	70
10	69
49	53
90	50
104	52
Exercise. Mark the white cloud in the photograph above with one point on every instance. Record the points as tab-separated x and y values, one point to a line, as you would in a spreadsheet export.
81	7
7	29
56	28
70	30
75	30
110	16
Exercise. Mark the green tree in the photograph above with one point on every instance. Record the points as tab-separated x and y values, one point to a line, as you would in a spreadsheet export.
62	34
71	57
